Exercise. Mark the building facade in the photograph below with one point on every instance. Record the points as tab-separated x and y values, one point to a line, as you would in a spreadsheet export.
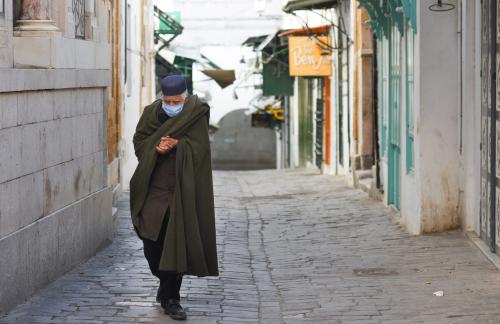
412	108
55	200
64	122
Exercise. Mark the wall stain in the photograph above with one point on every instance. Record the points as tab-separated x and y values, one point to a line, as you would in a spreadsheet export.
78	178
443	215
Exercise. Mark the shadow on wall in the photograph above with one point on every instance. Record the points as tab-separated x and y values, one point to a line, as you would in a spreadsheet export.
239	146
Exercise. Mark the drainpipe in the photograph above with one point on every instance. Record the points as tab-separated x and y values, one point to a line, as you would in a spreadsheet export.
375	146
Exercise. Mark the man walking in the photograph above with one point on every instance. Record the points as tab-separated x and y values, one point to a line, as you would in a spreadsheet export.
171	191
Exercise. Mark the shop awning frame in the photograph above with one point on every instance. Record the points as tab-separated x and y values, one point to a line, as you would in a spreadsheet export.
254	41
325	29
294	5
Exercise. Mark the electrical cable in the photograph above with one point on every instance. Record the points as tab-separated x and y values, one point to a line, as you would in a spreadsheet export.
311	34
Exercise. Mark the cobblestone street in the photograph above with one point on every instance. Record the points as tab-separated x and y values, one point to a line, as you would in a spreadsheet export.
294	247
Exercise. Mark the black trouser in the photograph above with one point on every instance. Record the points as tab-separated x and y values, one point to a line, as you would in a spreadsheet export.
170	281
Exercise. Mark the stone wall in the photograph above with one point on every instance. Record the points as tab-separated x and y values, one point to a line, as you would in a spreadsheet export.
55	204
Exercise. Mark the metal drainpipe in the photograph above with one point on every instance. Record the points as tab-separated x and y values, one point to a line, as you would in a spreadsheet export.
375	146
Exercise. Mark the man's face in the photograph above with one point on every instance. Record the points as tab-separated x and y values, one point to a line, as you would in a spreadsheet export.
173	100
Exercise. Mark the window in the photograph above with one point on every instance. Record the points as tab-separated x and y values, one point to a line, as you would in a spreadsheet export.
79	18
410	98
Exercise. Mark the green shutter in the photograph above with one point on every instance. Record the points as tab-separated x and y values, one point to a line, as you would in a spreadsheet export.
410	98
410	12
394	138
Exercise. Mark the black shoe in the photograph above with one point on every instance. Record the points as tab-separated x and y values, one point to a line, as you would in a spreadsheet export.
174	309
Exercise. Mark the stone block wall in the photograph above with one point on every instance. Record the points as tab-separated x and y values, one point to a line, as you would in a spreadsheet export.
55	204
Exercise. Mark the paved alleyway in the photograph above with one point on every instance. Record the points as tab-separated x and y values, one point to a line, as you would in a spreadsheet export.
294	247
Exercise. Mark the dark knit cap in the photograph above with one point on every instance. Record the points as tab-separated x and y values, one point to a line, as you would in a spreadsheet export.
173	85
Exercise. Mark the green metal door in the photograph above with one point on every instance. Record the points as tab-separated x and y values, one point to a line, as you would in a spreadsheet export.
394	152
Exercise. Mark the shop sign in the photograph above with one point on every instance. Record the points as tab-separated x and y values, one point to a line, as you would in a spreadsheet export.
309	56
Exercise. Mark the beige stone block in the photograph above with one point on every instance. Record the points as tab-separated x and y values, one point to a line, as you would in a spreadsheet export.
84	135
57	142
35	106
6	58
93	78
85	51
86	101
65	53
21	202
38	79
43	250
25	56
10	153
14	278
64	78
98	172
4	38
30	197
99	103
60	185
64	103
103	56
32	148
8	207
9	80
83	170
8	110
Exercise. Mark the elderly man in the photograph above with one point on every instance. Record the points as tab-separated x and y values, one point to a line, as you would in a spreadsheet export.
171	191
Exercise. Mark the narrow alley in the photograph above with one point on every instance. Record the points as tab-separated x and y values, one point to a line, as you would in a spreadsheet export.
294	247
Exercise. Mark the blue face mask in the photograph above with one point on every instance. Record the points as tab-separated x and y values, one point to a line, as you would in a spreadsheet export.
172	111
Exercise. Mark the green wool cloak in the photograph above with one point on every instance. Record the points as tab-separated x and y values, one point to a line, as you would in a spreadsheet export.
190	245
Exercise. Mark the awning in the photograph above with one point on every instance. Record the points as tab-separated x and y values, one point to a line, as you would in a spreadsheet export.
325	29
167	26
224	78
275	48
267	41
293	5
254	41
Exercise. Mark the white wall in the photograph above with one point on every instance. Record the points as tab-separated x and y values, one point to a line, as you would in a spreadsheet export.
436	145
410	195
135	96
471	111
